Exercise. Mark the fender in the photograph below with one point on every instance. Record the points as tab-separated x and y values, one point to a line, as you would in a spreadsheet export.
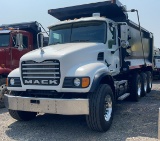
5	70
99	77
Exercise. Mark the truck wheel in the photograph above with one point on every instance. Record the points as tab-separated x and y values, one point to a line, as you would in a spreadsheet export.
3	89
22	115
144	84
149	81
101	109
135	87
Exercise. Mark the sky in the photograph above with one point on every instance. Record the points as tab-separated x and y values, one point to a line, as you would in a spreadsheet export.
17	11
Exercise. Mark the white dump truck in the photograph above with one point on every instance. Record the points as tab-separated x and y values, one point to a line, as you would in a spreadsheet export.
95	57
156	58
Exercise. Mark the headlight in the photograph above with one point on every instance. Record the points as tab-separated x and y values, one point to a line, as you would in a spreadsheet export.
77	82
12	82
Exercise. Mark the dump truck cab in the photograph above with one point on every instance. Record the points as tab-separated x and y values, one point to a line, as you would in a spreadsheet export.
96	30
10	51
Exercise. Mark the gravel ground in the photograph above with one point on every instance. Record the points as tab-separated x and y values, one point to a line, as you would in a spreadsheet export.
132	122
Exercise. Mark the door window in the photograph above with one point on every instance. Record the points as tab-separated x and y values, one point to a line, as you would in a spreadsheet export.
24	41
4	40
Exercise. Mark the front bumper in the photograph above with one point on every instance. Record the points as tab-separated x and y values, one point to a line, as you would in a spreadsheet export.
48	105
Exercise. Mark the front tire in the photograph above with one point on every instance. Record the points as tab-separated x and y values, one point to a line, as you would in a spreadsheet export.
101	109
22	115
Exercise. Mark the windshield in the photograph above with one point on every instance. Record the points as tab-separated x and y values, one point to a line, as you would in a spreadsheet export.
4	40
93	31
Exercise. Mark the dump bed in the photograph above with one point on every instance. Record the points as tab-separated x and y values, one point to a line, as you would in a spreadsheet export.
136	56
114	10
110	9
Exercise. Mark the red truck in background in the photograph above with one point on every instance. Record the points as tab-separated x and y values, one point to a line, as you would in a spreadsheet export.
11	51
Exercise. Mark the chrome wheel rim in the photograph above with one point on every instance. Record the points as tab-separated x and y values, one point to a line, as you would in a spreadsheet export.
108	108
139	88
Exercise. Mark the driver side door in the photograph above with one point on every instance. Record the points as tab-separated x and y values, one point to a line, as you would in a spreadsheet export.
112	54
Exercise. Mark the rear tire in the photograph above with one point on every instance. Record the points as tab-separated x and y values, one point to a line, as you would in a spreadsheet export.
144	84
22	115
149	81
101	109
135	87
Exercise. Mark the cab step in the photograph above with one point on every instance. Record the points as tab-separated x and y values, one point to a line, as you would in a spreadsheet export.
124	96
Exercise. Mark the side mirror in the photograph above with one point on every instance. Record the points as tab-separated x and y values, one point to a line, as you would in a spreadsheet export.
41	40
124	32
46	40
110	43
19	41
124	35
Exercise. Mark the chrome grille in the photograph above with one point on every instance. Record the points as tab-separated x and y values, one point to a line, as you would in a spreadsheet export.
41	73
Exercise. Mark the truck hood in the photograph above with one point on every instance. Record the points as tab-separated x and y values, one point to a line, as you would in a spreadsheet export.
63	50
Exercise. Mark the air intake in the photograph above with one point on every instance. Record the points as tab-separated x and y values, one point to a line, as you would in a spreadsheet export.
100	56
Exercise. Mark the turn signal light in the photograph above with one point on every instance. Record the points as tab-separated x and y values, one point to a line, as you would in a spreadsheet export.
10	28
85	82
7	82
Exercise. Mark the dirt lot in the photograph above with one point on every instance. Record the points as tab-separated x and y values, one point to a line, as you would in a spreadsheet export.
132	122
